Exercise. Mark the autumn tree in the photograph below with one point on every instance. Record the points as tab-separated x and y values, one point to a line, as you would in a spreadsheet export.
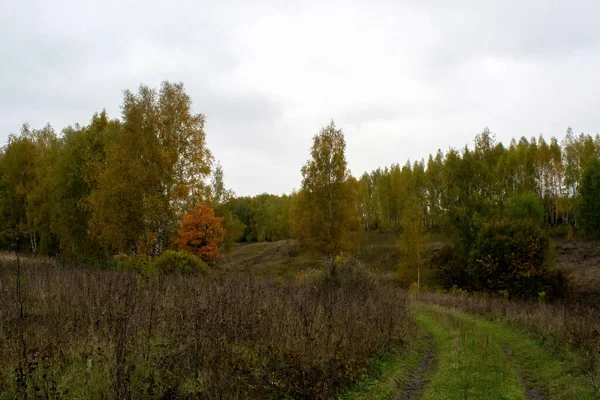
23	169
155	170
79	162
17	174
327	215
367	202
413	238
201	233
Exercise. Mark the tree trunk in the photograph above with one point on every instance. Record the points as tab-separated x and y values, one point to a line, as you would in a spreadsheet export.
160	240
418	266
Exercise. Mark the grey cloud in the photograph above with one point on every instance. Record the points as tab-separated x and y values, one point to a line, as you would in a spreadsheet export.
401	78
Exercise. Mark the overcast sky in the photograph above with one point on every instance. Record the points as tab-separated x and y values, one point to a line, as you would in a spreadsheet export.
401	78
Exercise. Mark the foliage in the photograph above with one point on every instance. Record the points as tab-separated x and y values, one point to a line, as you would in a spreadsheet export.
180	262
123	262
201	233
449	268
413	239
219	197
326	215
589	201
154	170
512	256
122	185
527	207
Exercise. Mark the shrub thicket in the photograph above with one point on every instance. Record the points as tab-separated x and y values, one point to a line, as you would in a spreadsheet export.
86	333
509	257
448	268
180	262
169	262
515	258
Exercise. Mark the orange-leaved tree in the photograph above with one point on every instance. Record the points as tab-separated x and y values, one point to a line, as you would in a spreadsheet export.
201	233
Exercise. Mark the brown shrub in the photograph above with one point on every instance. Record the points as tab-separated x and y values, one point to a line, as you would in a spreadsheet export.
93	333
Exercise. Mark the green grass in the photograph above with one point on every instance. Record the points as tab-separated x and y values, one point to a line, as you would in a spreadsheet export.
387	375
475	359
475	351
471	364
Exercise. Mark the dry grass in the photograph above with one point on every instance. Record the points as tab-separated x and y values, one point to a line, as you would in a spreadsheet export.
88	333
580	259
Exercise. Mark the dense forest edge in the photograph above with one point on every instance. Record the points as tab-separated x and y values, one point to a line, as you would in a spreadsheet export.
128	187
129	265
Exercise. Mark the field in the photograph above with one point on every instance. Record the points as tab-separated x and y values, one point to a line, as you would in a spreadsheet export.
89	333
270	323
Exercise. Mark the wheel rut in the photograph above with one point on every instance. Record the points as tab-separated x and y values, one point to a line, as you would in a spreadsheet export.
532	391
421	377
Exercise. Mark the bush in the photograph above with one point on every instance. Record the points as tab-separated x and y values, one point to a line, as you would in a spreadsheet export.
354	275
513	256
449	268
100	334
123	262
180	262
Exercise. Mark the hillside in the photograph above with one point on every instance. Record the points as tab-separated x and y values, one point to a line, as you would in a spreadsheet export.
579	258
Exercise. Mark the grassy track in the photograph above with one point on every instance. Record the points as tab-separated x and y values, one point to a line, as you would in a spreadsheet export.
390	375
471	364
475	358
554	376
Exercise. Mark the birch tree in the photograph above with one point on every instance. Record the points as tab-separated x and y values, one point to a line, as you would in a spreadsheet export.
327	215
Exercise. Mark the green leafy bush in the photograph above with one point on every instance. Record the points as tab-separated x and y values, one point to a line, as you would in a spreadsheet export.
513	257
448	268
180	262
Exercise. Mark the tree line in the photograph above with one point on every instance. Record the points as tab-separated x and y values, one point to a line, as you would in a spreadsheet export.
124	185
115	185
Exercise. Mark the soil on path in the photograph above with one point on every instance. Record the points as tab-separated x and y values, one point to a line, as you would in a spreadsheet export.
421	376
532	391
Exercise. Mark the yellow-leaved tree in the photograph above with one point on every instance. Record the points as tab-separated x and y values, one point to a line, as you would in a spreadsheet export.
154	174
413	239
326	215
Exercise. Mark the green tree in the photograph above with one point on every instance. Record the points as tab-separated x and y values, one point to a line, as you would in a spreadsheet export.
219	198
589	198
578	151
18	174
327	216
527	207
